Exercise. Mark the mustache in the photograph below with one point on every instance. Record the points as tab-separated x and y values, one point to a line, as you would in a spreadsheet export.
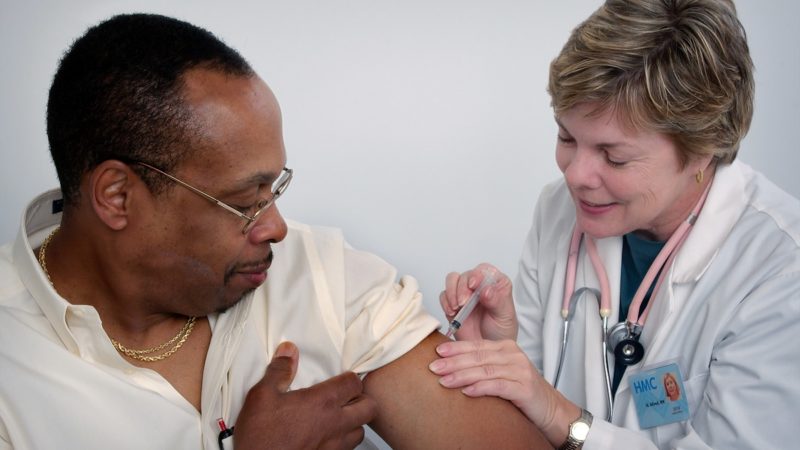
247	266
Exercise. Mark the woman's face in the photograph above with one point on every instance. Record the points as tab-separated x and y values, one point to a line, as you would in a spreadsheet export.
623	180
671	386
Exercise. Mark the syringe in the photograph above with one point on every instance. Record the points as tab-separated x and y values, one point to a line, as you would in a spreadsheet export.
461	316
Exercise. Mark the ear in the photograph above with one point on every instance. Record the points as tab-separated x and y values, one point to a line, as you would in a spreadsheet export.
110	187
703	163
706	162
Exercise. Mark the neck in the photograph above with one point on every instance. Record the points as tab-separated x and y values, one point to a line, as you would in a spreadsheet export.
662	230
84	273
80	273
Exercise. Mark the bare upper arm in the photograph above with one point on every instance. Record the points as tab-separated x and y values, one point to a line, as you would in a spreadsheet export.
414	411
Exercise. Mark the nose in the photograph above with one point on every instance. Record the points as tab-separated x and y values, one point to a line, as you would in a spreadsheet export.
581	170
269	227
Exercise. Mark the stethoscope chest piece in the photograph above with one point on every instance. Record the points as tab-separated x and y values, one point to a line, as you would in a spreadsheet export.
629	351
623	340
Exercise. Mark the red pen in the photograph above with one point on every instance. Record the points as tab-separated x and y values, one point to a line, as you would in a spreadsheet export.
225	437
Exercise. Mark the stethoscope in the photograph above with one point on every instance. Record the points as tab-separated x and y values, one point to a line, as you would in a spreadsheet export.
623	338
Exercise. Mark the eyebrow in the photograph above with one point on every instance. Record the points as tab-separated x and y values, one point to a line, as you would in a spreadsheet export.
258	179
607	145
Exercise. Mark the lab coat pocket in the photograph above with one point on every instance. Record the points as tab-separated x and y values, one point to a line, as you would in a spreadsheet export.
695	386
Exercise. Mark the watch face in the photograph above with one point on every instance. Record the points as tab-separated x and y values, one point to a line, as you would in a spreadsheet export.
580	430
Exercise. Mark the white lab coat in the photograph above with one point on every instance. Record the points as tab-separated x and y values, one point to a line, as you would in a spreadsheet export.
729	315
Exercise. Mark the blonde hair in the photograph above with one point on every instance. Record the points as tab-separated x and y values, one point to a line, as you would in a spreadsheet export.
680	67
672	377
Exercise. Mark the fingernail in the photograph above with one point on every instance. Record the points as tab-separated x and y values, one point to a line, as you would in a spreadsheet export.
284	349
436	366
446	380
442	349
471	283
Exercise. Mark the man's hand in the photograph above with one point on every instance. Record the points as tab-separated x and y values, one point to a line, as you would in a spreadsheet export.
328	415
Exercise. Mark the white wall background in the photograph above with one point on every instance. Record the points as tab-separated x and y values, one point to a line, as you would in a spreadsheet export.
422	128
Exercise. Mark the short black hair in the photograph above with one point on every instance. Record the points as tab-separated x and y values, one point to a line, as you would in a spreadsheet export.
117	94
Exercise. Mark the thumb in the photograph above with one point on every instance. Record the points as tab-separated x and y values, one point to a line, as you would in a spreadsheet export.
283	367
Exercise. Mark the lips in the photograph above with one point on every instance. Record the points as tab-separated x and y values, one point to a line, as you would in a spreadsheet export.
595	208
598	205
255	274
255	279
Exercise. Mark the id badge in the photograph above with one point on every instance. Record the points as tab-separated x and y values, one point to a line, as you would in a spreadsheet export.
659	396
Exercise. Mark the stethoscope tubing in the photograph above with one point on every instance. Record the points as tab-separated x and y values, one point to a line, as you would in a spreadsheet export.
565	338
634	321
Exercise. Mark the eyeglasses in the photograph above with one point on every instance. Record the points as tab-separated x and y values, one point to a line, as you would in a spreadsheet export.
278	188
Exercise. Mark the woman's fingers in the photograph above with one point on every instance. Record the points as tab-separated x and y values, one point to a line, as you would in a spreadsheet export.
462	355
448	298
460	286
486	368
487	372
454	348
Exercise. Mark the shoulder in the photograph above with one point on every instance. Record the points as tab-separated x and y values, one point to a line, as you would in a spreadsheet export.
768	228
298	233
554	193
555	212
309	253
327	247
312	245
773	206
753	231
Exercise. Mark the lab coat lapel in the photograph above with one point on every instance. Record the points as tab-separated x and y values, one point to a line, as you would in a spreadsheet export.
725	203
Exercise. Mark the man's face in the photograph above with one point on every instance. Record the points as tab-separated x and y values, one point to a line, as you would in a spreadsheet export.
197	251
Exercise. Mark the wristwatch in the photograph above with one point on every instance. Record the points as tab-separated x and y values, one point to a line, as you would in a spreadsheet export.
578	430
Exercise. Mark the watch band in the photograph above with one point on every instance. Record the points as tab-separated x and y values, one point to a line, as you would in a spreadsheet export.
578	430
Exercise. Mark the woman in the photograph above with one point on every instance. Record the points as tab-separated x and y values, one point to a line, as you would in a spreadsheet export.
671	387
695	254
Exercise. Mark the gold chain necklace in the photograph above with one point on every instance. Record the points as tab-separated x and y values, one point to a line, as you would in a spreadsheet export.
145	355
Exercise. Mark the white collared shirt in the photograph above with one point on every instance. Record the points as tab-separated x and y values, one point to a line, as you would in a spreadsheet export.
63	385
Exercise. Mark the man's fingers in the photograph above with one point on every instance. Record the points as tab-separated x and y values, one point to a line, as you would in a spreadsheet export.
346	392
351	410
360	411
335	410
348	439
354	437
342	389
283	367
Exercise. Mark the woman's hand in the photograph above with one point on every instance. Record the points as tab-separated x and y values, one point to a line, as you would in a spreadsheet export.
501	369
494	317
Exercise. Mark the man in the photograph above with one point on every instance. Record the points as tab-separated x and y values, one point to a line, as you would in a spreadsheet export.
135	310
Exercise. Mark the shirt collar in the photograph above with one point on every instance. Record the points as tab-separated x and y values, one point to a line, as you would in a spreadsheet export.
41	216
